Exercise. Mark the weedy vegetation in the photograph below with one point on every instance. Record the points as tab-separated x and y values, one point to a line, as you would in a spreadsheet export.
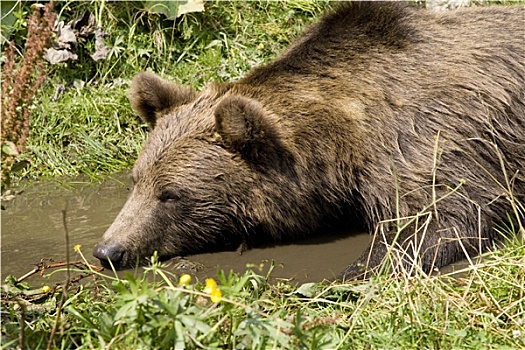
80	121
73	117
21	79
482	309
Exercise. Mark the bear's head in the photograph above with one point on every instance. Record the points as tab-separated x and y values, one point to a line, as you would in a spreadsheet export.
214	173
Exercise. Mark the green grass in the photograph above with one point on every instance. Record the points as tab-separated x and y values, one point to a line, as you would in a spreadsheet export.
485	309
91	129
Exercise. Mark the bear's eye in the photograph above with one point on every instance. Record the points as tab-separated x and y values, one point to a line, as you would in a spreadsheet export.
169	196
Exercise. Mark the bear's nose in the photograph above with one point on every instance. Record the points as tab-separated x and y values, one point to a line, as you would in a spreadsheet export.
107	252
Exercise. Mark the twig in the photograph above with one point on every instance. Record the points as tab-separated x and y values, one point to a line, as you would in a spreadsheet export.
29	274
66	283
21	334
41	267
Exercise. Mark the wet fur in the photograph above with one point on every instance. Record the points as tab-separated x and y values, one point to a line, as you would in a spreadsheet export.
381	110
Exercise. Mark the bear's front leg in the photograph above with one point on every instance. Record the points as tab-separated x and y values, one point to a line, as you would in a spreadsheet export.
421	245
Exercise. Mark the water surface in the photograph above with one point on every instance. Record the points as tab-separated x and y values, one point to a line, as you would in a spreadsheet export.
32	229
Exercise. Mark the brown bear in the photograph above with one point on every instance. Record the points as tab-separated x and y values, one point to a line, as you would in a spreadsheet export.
412	122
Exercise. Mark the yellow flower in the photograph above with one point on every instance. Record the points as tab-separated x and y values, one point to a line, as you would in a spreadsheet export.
260	46
184	280
214	292
77	247
46	289
211	285
216	295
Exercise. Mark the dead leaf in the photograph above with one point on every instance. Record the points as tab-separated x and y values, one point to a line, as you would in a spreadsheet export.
55	56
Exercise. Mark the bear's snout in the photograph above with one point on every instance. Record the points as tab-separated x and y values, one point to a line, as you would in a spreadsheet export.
111	252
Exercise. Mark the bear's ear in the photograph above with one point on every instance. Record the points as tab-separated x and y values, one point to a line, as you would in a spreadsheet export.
248	129
150	95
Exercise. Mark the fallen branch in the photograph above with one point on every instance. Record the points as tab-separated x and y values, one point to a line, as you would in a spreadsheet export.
41	267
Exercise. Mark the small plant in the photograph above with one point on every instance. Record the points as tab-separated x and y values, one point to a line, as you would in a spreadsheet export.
21	80
484	307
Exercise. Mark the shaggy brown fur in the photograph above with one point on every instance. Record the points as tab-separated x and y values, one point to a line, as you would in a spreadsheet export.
380	110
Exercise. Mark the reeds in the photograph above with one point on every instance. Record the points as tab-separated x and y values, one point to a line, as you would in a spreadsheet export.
22	75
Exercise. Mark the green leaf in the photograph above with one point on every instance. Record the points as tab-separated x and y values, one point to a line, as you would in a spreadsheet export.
19	166
9	148
308	290
81	316
7	9
174	9
193	324
13	286
179	338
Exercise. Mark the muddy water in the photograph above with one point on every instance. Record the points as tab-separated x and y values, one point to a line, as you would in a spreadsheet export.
32	228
